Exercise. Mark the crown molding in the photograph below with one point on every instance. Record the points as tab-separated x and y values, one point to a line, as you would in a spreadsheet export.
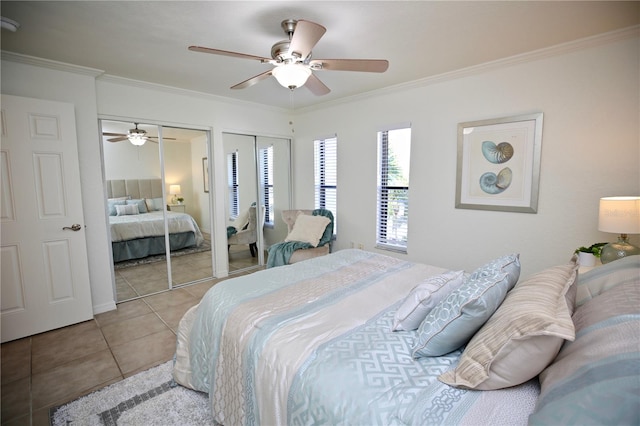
548	52
184	92
47	63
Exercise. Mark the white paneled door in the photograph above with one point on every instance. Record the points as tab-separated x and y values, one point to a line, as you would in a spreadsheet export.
45	276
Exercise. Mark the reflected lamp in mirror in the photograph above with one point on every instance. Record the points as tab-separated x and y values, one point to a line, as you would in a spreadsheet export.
175	191
619	215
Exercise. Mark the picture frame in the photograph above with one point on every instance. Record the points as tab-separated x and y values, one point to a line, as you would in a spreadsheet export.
205	173
499	164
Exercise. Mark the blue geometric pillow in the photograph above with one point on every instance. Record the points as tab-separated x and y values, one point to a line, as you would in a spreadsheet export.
454	321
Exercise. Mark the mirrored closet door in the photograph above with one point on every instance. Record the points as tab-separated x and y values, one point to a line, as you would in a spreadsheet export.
258	189
159	216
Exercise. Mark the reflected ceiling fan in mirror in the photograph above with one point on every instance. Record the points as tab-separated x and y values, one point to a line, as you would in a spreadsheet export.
136	136
292	59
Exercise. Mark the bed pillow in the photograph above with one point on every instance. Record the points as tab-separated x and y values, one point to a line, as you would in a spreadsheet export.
113	202
596	378
523	336
124	210
423	298
308	229
154	204
605	277
142	206
457	318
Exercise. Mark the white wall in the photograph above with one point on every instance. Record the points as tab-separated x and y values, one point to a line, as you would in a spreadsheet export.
590	148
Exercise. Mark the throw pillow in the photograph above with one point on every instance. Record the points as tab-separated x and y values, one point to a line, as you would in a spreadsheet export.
423	298
142	206
523	336
123	210
308	229
457	318
242	220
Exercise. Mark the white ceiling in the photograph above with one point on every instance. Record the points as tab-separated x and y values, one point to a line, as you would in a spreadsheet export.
148	41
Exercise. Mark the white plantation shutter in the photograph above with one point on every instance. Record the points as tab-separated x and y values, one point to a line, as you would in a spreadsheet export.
232	180
326	176
393	188
266	183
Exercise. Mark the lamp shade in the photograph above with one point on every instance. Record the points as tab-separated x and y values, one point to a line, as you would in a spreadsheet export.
174	189
619	215
291	76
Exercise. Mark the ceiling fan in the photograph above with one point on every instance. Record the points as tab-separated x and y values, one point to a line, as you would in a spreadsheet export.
293	62
136	136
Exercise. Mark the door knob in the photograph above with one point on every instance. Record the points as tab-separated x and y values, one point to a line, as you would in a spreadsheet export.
74	227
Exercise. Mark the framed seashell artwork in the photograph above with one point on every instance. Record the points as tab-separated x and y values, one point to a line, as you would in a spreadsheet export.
499	163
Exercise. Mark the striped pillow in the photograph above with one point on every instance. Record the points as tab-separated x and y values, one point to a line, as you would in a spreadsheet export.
523	336
596	378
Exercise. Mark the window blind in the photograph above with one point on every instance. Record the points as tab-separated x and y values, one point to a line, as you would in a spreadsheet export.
326	176
232	179
266	183
393	189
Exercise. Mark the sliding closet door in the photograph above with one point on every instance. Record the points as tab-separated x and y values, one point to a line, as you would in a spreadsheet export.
258	173
135	275
185	171
242	194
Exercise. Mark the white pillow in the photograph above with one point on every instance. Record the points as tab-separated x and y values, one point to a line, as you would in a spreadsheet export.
242	220
423	298
128	209
308	229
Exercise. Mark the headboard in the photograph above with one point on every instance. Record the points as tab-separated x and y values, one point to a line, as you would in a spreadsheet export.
136	188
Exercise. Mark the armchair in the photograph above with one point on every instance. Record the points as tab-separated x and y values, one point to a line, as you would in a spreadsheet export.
248	235
292	251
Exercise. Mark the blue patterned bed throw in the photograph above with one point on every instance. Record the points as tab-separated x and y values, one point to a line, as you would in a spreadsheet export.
311	343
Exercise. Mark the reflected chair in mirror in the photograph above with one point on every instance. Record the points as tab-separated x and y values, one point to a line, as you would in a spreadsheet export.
310	235
247	235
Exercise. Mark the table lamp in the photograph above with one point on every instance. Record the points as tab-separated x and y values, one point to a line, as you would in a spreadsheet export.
620	215
175	191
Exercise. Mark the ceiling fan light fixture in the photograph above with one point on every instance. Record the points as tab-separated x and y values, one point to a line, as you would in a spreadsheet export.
137	139
291	76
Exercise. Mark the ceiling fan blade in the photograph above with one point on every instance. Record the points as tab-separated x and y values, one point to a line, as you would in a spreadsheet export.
113	134
305	37
122	138
316	86
227	53
363	65
253	80
163	138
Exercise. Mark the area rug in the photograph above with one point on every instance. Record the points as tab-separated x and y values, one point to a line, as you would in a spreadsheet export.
205	246
148	398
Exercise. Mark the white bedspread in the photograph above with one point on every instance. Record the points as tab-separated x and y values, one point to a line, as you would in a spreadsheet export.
311	343
131	227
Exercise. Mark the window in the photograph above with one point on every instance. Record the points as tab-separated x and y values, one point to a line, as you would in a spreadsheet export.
325	165
232	180
266	183
393	188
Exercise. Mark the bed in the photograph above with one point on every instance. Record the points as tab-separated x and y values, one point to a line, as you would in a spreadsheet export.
361	338
136	221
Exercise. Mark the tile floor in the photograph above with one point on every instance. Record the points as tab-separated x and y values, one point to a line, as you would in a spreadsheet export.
55	367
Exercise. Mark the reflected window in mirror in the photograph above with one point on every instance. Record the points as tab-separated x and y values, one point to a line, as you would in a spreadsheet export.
266	183
232	180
